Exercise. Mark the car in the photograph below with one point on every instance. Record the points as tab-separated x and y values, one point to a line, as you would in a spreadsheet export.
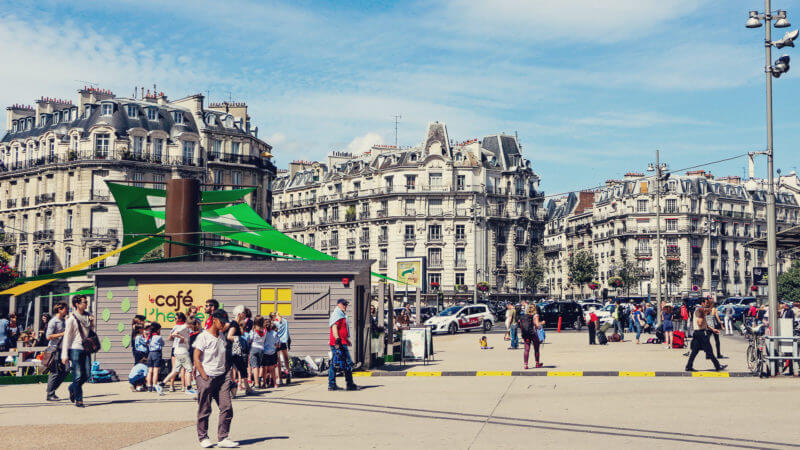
740	306
589	307
462	318
427	312
570	313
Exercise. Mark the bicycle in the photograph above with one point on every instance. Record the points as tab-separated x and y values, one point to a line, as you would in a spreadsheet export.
756	353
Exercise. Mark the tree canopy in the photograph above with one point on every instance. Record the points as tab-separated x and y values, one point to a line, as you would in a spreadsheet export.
789	283
582	267
533	273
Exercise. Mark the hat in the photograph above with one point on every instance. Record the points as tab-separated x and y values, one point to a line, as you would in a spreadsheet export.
342	300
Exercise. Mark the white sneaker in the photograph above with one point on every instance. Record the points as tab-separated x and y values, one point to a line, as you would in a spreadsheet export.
206	443
227	443
159	389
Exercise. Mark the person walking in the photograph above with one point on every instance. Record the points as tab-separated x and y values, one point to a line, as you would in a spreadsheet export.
530	324
339	341
210	306
618	315
728	312
592	326
55	334
238	351
700	341
513	325
77	327
650	317
4	324
183	360
667	325
715	322
213	381
637	320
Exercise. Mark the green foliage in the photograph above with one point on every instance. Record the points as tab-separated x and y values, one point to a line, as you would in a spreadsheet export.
675	271
789	283
350	213
628	271
533	273
582	267
156	253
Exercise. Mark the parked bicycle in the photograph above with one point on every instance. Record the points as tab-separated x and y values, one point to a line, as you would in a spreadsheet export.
756	353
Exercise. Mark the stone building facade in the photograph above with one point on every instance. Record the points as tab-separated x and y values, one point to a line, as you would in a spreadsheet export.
705	223
55	208
473	210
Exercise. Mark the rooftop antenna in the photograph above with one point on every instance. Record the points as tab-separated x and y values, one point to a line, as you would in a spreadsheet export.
397	118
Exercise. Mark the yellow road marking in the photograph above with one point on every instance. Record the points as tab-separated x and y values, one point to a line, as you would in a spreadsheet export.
553	373
362	374
423	374
628	373
710	374
493	373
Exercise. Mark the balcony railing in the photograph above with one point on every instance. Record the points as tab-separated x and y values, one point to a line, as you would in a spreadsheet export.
25	201
435	263
434	237
364	240
461	263
334	243
382	213
43	235
11	203
409	237
45	198
383	239
363	215
99	233
68	233
644	252
410	212
351	242
69	196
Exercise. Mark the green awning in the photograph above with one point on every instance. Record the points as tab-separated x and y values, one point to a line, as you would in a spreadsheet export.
81	292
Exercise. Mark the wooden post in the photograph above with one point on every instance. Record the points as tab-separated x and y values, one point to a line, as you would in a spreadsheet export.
182	215
12	304
390	322
381	347
37	313
418	319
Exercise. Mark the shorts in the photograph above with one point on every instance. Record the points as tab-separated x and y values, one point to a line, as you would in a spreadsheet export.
154	359
256	359
283	346
270	359
182	360
668	326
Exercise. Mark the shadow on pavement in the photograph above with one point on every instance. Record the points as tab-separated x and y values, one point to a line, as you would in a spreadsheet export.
261	439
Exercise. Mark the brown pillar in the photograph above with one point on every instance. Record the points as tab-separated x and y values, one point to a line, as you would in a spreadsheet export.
182	217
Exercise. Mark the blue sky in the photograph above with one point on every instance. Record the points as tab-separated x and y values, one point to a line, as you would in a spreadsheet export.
591	90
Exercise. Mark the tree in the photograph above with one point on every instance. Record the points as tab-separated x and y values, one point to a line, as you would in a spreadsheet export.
582	268
533	273
789	283
628	271
674	273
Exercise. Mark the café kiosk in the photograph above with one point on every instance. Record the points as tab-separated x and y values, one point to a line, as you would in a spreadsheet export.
304	292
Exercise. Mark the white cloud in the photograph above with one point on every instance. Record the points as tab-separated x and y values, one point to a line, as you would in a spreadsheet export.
363	143
643	119
276	139
578	21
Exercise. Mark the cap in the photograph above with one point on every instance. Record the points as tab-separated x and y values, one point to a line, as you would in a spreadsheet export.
342	300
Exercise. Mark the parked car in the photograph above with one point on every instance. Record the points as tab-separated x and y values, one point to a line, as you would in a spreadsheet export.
427	312
740	306
589	307
467	317
570	312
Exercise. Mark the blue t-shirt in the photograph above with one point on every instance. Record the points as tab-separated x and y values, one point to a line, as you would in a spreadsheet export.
155	344
283	331
139	370
270	339
637	315
4	331
140	344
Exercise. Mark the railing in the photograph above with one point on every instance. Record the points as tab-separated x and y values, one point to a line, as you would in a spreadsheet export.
383	239
461	262
91	155
363	215
43	235
435	211
552	248
69	196
382	264
364	240
11	203
410	212
45	198
462	212
434	237
382	213
461	238
351	242
101	196
334	243
435	263
644	252
501	268
409	237
323	243
19	365
68	233
25	201
99	233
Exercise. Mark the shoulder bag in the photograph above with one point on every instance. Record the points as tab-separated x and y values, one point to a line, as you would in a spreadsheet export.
91	343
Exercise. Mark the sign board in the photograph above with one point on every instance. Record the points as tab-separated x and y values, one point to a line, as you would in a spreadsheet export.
760	276
414	343
411	271
160	302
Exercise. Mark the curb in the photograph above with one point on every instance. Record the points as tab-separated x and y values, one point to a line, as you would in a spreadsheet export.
553	373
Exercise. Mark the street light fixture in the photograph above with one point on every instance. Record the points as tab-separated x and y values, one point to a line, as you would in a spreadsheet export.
781	66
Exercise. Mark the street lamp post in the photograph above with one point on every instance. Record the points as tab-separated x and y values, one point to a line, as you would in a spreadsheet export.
659	170
775	69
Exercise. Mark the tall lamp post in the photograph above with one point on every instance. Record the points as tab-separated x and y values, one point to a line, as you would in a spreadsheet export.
659	169
776	69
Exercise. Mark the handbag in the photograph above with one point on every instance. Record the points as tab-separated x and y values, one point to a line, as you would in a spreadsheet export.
540	334
90	343
50	360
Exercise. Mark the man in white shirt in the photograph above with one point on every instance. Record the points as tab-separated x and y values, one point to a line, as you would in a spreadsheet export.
180	349
213	381
78	324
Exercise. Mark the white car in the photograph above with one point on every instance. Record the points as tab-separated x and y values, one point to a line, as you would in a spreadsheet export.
604	314
467	317
588	307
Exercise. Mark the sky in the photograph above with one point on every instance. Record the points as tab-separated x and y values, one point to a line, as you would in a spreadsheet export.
591	90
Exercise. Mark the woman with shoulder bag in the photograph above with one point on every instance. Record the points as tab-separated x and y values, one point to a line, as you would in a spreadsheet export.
530	324
79	342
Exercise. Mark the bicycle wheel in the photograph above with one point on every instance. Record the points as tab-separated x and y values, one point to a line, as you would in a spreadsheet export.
752	357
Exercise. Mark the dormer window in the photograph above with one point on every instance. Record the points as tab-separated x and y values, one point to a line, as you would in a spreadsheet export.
133	112
108	109
42	119
152	114
413	157
14	126
177	116
56	117
210	119
87	110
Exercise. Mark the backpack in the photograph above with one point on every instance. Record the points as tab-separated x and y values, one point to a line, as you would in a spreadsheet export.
601	338
615	338
684	312
526	324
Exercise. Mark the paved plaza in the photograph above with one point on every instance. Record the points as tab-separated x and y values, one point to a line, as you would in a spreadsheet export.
454	412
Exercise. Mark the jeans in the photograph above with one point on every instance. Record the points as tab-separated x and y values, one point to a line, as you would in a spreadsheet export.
81	367
618	328
56	377
728	325
514	332
533	341
592	332
217	389
638	328
348	371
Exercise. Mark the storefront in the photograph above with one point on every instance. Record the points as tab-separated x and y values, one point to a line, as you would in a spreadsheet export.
305	292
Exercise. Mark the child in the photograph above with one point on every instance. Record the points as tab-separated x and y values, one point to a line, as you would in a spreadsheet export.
257	337
182	358
270	362
154	346
139	343
138	375
484	344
